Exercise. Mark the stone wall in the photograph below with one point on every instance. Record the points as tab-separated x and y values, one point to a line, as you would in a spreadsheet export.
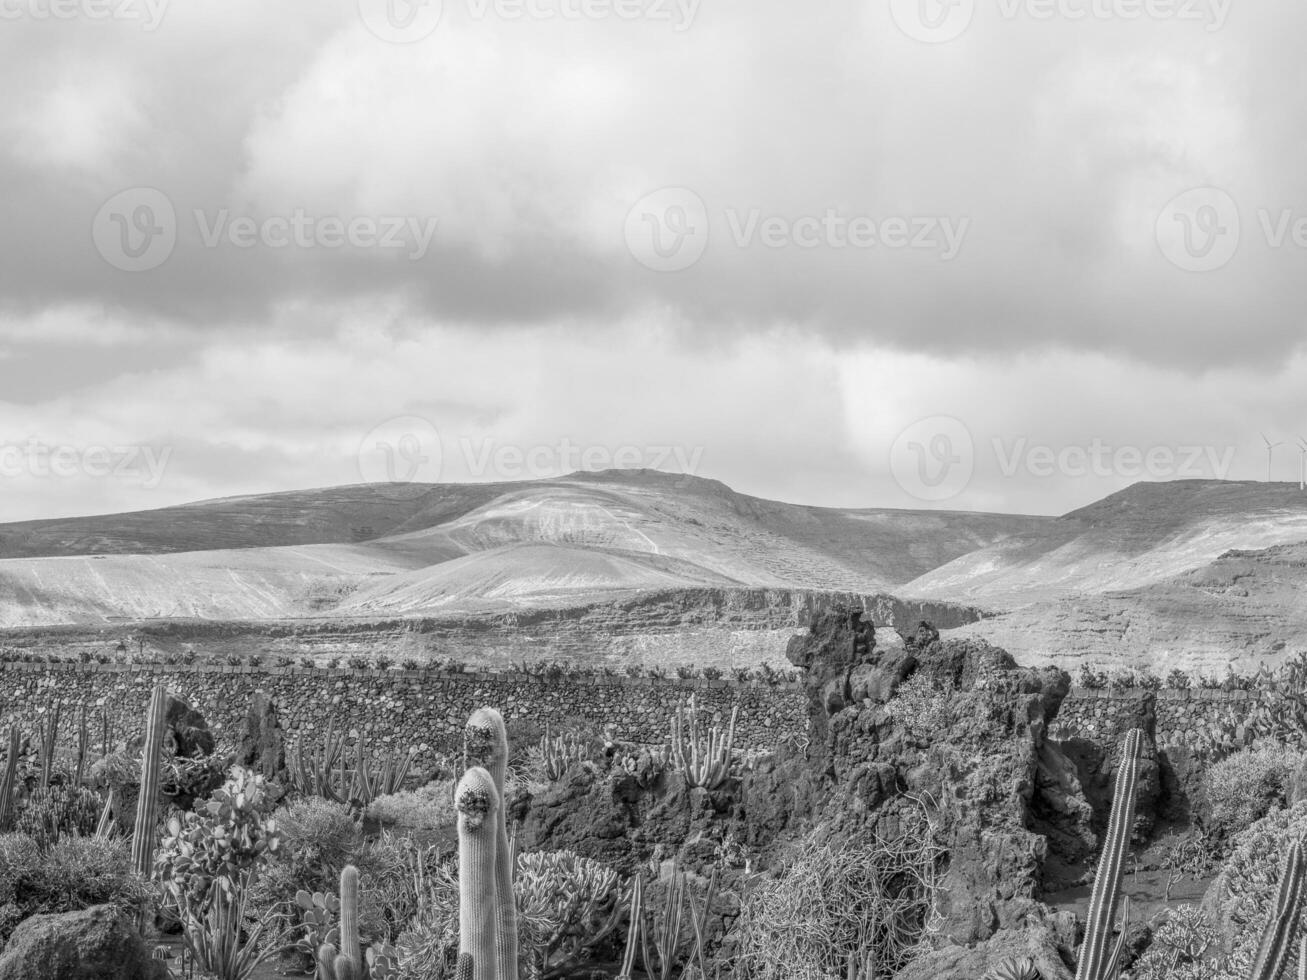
1099	716
399	708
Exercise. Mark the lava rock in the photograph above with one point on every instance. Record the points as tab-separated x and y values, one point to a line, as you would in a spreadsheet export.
93	944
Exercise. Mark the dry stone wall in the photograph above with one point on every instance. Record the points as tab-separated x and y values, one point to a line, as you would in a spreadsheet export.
398	708
1183	716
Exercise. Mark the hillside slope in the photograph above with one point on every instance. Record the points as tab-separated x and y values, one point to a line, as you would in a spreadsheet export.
450	549
1243	609
1144	534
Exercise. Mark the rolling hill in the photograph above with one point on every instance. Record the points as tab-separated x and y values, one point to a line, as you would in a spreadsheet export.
1191	573
365	550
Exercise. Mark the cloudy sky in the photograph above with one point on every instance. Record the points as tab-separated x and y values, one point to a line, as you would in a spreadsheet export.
1007	255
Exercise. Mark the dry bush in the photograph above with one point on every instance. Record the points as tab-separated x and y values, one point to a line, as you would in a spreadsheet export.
1247	785
429	807
866	899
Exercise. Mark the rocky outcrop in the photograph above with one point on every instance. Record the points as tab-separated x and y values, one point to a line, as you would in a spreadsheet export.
94	944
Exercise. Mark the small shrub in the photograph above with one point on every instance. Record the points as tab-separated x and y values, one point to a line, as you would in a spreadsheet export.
411	664
1177	680
429	807
1090	679
712	673
359	663
384	663
634	670
307	662
1246	786
742	674
922	708
838	901
686	672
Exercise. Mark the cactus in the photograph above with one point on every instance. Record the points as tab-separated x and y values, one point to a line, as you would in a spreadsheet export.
1096	953
485	744
148	801
704	756
105	827
477	801
48	739
10	779
82	736
345	963
463	970
1276	949
633	934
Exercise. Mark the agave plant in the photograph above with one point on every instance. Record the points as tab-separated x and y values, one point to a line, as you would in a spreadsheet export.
1014	968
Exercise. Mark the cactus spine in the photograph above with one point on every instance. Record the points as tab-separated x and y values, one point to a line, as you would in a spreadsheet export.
1276	949
11	778
151	764
1095	954
477	801
485	744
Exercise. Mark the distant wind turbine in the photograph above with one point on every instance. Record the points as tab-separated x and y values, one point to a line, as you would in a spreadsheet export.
1302	464
1270	455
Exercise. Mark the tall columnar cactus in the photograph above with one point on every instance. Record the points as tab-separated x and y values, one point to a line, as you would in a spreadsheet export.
82	737
463	969
477	802
485	744
148	801
345	963
703	754
10	778
1096	953
1276	950
49	738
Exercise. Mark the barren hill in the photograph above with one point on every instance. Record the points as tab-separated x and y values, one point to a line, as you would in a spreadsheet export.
373	550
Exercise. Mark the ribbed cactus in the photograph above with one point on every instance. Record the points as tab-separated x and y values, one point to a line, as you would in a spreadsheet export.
633	933
485	744
1275	952
477	802
49	738
1096	953
148	801
463	969
702	754
345	963
82	737
10	779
